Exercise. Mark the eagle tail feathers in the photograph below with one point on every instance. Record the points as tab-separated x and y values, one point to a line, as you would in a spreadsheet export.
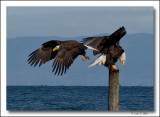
91	48
100	60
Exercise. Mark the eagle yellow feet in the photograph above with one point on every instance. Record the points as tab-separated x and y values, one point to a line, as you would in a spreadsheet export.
114	68
85	58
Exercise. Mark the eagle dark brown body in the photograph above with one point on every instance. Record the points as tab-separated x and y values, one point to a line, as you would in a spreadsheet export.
108	46
112	54
63	53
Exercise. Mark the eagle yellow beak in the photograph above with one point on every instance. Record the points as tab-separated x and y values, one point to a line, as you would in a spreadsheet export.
122	62
56	48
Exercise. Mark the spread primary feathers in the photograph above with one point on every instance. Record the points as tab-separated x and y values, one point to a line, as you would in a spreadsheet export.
63	53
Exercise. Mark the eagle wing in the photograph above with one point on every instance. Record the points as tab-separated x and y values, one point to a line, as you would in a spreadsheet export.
117	51
100	43
95	42
44	53
115	37
65	58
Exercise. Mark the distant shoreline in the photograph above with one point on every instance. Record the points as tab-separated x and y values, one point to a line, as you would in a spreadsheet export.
78	36
65	86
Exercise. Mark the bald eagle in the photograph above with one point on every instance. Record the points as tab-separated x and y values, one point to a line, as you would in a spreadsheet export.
63	53
109	48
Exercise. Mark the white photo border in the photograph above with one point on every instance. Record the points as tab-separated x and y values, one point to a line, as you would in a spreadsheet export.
5	4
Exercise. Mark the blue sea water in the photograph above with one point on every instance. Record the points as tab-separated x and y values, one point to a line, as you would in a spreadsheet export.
77	98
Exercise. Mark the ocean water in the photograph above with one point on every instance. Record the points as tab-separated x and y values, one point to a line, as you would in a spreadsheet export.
77	98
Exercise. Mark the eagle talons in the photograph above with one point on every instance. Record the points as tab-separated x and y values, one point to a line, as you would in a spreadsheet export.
114	68
85	58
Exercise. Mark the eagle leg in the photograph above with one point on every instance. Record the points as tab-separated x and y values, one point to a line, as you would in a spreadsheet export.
114	68
85	58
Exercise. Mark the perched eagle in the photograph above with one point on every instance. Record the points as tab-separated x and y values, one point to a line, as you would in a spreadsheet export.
109	48
63	53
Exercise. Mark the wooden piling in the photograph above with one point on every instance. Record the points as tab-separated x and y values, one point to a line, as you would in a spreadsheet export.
113	97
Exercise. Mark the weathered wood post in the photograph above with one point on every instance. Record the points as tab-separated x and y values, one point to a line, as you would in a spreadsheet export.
113	95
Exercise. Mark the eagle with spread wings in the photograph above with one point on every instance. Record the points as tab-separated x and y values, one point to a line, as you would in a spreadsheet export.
63	53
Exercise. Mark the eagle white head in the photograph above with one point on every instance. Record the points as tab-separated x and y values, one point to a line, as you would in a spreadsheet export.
122	58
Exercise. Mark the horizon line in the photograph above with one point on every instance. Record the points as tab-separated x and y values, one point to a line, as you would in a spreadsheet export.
84	85
11	37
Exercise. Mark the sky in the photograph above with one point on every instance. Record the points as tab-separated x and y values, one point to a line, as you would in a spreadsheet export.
74	22
77	21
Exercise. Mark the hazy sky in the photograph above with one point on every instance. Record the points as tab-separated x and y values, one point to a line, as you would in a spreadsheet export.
77	21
